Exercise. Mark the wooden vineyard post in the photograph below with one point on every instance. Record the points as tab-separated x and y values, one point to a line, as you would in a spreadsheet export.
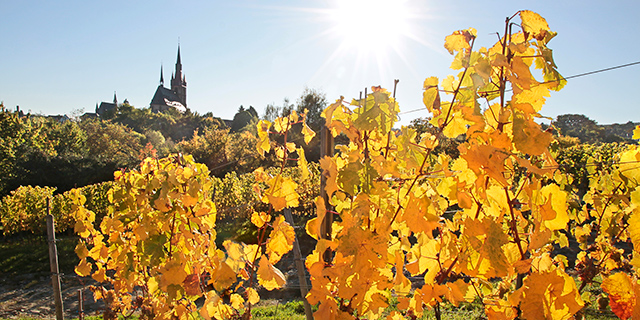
53	261
326	150
80	305
300	266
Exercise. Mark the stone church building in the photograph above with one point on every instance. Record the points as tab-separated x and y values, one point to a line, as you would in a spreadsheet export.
176	96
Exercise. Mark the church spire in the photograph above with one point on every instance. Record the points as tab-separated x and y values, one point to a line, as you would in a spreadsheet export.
115	99
178	62
161	76
178	83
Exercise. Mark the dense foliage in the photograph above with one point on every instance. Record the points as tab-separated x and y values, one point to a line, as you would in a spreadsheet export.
483	226
24	209
159	235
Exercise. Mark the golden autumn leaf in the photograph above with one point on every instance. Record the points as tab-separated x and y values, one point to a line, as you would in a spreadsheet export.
214	307
548	295
172	273
622	298
252	295
280	239
554	210
281	193
330	172
260	218
431	95
303	165
486	158
534	24
83	268
224	277
459	40
237	302
636	133
269	276
313	228
264	144
528	137
191	285
308	133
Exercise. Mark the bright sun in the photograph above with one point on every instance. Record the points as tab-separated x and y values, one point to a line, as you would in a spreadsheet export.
371	25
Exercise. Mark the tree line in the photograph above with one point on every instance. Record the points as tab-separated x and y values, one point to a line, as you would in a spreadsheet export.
47	152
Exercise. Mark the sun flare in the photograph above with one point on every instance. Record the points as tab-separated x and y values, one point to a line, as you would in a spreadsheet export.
371	25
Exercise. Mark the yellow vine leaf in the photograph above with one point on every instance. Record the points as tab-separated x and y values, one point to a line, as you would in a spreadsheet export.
191	285
224	277
636	133
330	172
395	315
630	164
485	158
263	144
302	164
269	276
554	210
535	96
252	296
548	295
83	269
214	308
534	24
281	193
260	218
308	133
280	240
459	40
528	137
431	95
237	302
100	275
620	288
520	74
401	284
172	273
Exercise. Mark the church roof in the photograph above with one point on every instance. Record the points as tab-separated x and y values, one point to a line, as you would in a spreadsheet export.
105	107
166	98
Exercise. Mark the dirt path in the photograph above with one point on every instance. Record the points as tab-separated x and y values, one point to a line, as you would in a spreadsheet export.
31	296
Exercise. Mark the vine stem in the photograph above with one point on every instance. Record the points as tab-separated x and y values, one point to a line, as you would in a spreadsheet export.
263	232
438	134
514	225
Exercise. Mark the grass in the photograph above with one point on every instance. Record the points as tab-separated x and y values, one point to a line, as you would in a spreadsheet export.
30	254
292	310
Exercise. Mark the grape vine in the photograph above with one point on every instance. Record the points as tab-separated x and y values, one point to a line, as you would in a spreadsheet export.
394	195
484	226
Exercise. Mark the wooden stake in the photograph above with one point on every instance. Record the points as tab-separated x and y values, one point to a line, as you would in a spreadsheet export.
80	305
300	266
53	261
326	150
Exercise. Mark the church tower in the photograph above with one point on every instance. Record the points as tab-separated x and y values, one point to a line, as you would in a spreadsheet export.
178	82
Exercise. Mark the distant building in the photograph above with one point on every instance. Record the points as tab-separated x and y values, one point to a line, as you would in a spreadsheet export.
176	97
60	118
106	107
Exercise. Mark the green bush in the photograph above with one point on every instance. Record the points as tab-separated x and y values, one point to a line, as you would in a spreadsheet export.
234	194
25	209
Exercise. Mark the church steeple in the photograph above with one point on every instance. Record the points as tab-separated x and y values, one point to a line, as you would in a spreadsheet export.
161	76
178	83
115	99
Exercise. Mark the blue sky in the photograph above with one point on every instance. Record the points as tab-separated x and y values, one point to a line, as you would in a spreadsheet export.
62	56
